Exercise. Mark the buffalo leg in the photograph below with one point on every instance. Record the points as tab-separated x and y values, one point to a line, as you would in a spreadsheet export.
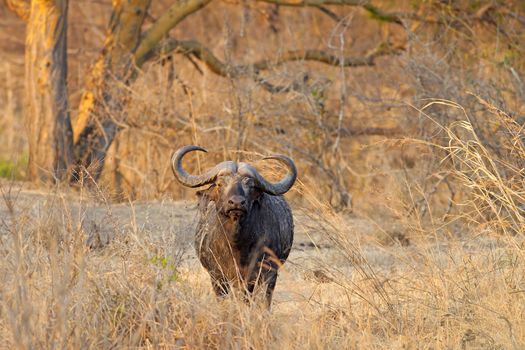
264	283
270	283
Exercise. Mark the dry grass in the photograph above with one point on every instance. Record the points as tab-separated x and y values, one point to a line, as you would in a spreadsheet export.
343	287
432	259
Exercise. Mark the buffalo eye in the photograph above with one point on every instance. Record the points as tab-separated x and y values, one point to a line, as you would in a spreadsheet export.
247	181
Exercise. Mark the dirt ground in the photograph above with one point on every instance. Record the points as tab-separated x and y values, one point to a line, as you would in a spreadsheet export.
171	224
342	274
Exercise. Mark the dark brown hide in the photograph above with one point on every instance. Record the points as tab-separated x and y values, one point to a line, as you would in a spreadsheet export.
245	228
247	251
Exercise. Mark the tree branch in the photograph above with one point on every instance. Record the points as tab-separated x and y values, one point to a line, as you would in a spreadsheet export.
195	48
173	16
183	8
329	13
394	17
373	11
20	7
218	67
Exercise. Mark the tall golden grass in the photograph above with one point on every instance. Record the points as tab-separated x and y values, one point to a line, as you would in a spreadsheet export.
127	276
348	289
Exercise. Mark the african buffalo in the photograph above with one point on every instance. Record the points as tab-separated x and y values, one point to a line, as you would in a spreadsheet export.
245	228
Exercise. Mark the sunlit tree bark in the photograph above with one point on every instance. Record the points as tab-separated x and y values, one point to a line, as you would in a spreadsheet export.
20	7
54	149
105	93
47	116
104	96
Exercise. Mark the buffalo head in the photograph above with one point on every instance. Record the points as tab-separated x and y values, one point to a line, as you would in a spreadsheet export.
235	186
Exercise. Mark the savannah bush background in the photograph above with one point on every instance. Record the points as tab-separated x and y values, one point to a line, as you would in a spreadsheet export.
409	208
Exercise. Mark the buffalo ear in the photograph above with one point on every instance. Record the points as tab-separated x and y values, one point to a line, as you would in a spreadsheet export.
201	193
256	194
206	196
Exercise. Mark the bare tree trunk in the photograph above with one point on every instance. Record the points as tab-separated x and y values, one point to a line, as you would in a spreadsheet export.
54	148
100	110
47	115
101	104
